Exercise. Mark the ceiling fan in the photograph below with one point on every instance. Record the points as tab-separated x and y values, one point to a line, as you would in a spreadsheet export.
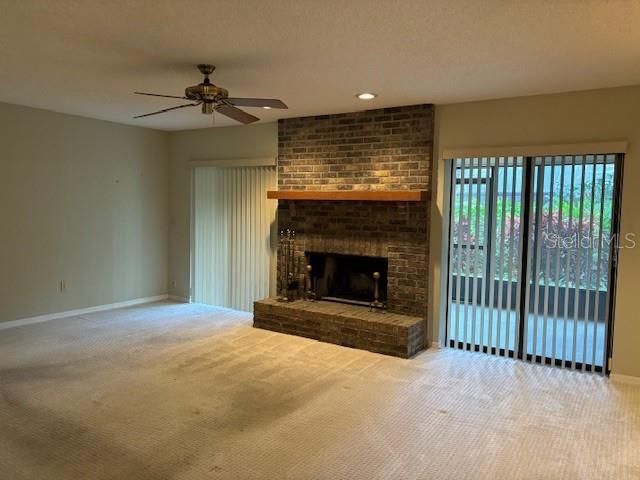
213	98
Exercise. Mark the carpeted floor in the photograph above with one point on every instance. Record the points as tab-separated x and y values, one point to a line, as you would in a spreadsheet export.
174	391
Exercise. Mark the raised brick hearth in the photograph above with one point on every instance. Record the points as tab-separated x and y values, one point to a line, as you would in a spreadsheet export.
377	150
348	325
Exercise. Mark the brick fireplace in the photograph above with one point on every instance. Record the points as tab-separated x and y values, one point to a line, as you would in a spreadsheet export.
387	150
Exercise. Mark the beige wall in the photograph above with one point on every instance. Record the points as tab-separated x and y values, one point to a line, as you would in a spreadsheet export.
83	201
592	116
251	141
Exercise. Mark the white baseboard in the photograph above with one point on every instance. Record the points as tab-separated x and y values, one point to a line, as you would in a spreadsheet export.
177	298
626	379
81	311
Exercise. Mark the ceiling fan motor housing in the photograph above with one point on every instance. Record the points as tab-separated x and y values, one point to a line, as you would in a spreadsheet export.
206	93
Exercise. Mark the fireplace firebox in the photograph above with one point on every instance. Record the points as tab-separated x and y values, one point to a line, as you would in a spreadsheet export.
348	278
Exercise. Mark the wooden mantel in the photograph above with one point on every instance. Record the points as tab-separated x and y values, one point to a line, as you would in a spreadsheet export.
351	195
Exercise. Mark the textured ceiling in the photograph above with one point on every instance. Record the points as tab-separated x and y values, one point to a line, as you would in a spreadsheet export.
87	57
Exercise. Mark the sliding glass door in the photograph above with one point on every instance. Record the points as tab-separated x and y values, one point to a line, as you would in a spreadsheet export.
572	232
484	255
531	245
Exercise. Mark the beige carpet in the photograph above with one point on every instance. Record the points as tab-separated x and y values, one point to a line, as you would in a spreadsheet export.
171	391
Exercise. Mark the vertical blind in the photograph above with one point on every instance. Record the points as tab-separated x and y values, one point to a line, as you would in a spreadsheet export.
530	249
233	255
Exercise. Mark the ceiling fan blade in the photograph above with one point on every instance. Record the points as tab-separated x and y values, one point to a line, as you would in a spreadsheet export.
168	109
159	95
236	114
256	102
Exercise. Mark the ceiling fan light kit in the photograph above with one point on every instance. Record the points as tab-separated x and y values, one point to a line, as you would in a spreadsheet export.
214	98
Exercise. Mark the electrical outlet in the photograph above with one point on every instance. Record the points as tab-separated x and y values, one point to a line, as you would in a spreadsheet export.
62	286
173	284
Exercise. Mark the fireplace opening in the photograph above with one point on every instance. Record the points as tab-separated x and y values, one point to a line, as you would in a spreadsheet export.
347	278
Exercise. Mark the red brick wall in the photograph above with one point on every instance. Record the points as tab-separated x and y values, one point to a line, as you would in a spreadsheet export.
387	149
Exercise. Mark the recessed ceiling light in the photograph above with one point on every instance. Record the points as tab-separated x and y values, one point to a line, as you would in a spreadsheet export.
366	96
267	108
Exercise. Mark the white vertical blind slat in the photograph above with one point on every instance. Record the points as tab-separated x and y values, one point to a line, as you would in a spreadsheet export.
547	267
587	287
501	257
467	279
599	238
492	263
535	282
452	220
578	283
477	257
484	308
520	165
558	248
510	273
608	265
459	252
565	316
533	180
